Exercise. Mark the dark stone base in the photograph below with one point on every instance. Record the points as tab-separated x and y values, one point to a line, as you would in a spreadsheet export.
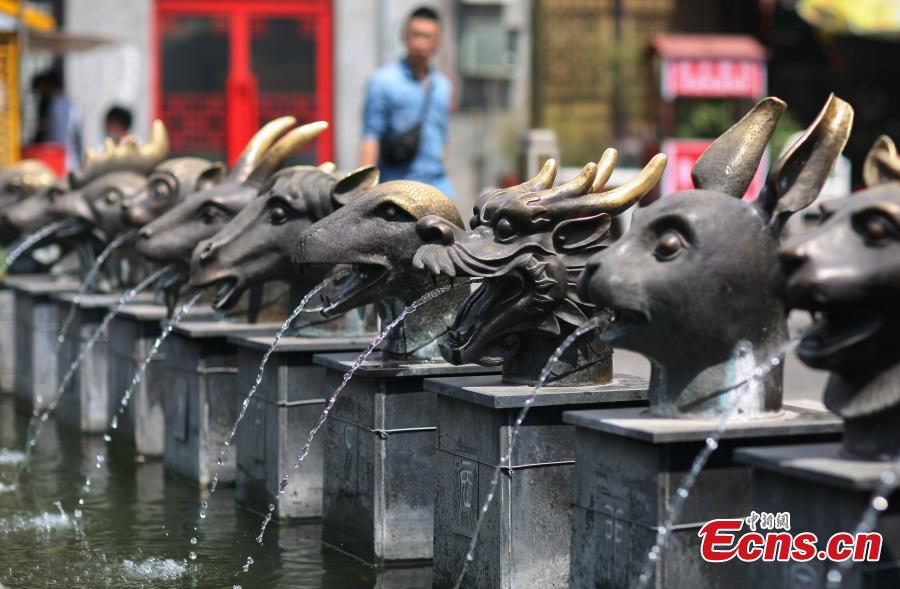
84	405
7	340
629	466
825	492
379	458
524	540
202	403
284	408
36	326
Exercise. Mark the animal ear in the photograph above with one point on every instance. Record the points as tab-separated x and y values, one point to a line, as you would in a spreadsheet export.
729	164
210	176
581	234
797	177
882	164
355	182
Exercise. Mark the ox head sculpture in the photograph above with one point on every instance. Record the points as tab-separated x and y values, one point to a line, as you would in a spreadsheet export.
255	247
846	273
530	243
690	283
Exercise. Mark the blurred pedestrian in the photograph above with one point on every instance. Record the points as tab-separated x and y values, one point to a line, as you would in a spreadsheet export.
58	120
117	123
406	109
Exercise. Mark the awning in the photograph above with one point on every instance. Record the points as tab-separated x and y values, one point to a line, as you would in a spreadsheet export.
878	18
34	18
59	42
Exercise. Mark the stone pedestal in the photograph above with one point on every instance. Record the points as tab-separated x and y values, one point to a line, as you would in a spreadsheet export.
825	492
84	405
285	407
203	401
629	467
36	325
7	340
379	458
524	540
131	335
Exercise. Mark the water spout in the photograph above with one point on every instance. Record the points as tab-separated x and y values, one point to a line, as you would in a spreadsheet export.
33	239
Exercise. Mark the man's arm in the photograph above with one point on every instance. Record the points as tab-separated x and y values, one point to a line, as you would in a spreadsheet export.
375	118
369	152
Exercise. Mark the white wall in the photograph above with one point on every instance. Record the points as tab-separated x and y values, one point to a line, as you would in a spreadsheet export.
116	74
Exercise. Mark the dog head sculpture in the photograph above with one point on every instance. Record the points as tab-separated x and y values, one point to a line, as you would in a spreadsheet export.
690	283
846	273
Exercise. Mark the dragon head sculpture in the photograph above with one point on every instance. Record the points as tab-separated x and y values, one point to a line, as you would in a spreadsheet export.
255	246
374	234
690	283
530	243
23	179
846	273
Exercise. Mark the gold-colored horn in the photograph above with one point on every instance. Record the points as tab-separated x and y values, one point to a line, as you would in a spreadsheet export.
576	186
605	168
257	147
282	150
544	178
621	198
328	167
158	147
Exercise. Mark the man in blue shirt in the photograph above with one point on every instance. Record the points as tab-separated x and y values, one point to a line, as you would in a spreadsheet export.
407	93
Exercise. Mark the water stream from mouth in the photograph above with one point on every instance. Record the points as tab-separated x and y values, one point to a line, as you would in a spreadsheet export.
204	503
282	486
88	282
514	433
38	420
760	373
33	239
135	381
888	481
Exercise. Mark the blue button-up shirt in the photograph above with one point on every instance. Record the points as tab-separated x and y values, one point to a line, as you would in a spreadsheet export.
394	101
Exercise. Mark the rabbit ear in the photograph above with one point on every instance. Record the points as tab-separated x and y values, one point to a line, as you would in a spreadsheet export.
798	176
729	164
882	164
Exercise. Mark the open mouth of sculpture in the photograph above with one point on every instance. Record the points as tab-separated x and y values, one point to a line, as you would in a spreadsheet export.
480	319
227	293
624	321
836	328
351	287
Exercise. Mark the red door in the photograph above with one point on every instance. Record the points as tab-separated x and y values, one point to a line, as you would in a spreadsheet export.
225	67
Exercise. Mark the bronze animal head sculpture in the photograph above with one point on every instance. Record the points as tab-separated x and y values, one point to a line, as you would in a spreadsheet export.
129	160
170	183
255	246
374	234
23	179
689	284
530	243
846	273
172	237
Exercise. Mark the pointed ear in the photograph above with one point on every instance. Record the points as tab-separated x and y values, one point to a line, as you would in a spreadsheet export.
353	183
882	164
581	234
729	164
210	176
796	179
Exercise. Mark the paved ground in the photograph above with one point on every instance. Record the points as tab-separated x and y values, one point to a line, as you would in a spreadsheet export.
800	381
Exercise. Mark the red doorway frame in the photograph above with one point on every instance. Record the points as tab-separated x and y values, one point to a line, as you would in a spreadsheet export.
242	123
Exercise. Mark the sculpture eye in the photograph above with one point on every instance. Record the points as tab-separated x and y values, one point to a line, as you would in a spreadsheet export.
209	214
112	197
876	227
278	215
668	246
504	229
391	212
160	190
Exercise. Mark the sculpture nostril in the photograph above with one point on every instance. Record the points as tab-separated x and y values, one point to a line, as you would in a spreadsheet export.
435	230
791	259
145	233
207	252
